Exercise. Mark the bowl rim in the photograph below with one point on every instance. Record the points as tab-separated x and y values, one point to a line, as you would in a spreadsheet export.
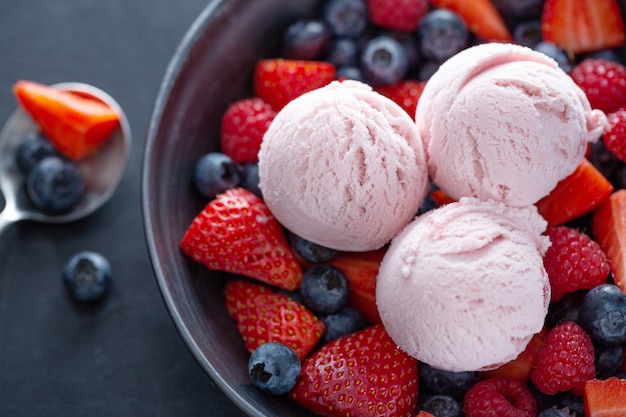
174	68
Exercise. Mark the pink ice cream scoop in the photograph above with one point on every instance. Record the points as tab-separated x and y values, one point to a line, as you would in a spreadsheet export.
503	122
463	287
344	167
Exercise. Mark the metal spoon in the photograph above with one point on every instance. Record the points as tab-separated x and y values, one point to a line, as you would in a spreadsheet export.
101	172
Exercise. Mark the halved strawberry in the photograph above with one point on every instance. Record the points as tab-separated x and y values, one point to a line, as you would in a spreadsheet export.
237	233
363	374
263	315
423	413
77	125
404	93
481	17
609	229
582	25
361	269
605	398
278	81
576	195
520	367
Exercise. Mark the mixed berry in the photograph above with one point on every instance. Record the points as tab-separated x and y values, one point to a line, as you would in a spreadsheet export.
308	310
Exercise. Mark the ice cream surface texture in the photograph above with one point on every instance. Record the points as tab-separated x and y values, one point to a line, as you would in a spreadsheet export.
463	287
503	122
344	167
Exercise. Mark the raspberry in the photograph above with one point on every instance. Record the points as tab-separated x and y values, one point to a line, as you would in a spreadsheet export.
565	362
573	262
499	396
400	15
615	136
243	125
603	81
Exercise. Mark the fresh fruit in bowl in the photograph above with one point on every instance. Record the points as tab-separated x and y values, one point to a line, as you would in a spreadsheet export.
205	247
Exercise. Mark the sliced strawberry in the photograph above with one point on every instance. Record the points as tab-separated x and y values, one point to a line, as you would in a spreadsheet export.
361	269
263	315
576	195
520	367
609	229
605	398
362	374
423	413
236	233
243	125
481	17
278	81
399	15
583	25
76	124
440	197
404	93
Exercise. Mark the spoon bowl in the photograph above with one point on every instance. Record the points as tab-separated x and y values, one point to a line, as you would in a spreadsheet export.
101	171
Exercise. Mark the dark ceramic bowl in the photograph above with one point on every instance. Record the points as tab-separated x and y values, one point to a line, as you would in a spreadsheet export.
212	67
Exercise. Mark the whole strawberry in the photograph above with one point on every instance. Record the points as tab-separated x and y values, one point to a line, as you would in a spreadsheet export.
278	81
565	362
243	125
615	136
399	15
362	374
604	83
263	315
237	233
573	262
499	396
405	93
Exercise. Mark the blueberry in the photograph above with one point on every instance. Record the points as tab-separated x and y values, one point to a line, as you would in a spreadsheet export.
55	185
427	69
608	360
442	34
310	251
572	402
215	173
440	382
343	51
442	406
556	53
345	321
519	8
346	17
324	289
527	33
606	54
274	368
566	309
350	73
306	39
32	148
87	276
249	178
603	314
384	61
555	411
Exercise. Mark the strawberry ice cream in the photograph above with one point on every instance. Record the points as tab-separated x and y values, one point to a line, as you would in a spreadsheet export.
503	122
463	287
343	167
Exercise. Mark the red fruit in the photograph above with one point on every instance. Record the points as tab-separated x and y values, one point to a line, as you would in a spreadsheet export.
573	262
499	396
615	136
520	367
603	81
400	15
362	374
605	398
278	81
404	93
243	125
575	195
361	269
75	123
609	230
263	315
236	233
565	362
481	16
582	25
423	413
